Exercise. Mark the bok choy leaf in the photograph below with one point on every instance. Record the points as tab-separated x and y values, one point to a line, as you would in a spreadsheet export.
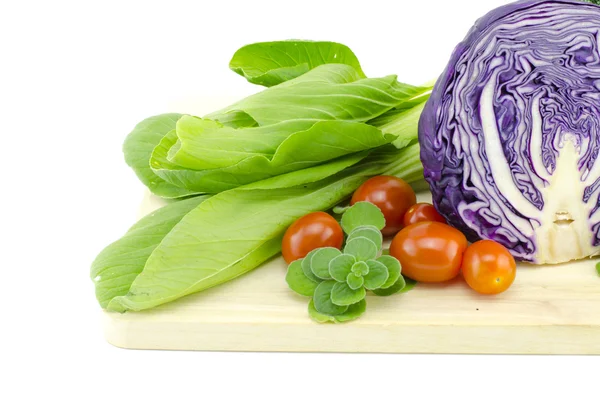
138	148
272	63
233	232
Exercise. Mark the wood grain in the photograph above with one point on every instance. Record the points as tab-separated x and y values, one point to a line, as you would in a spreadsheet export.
548	310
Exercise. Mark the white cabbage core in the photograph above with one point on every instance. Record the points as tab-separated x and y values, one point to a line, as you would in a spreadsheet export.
564	229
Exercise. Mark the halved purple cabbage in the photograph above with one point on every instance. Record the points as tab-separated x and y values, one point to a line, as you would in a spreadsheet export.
511	135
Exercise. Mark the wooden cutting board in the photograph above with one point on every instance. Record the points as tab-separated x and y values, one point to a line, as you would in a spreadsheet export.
548	310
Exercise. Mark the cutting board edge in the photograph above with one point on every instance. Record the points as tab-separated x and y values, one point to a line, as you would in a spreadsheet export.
369	338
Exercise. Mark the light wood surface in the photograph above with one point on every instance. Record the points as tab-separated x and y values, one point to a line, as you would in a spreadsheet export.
548	310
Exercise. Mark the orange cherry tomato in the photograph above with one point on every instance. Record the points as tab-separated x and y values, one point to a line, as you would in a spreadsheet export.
422	212
312	231
392	195
429	252
488	267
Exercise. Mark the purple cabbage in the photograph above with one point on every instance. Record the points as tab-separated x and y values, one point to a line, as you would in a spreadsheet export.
511	134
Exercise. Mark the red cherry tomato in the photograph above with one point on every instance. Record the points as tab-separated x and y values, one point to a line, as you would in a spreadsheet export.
312	231
430	252
488	267
422	212
392	195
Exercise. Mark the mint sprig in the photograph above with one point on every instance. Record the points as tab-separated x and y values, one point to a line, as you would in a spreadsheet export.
338	281
362	214
353	312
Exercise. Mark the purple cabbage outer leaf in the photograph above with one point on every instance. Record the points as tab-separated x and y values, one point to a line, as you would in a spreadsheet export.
511	134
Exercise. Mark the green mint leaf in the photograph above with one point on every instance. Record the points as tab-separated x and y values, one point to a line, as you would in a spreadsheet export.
355	282
398	286
297	280
394	269
306	267
319	263
410	284
322	300
360	269
377	276
370	232
317	316
362	214
361	248
354	311
341	266
342	294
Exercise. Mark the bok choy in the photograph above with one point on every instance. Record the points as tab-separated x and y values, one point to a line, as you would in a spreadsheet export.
245	173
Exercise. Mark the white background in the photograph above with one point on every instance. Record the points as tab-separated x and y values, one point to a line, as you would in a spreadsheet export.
75	78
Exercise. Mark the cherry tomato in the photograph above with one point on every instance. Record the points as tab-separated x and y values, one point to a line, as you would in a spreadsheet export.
430	252
312	231
392	195
422	212
488	267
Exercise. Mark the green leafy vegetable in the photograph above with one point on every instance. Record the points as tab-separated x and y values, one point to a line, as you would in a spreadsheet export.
216	242
355	281
241	174
118	265
306	267
323	302
192	258
301	146
178	156
410	284
340	209
342	294
314	119
328	92
319	263
238	119
298	281
377	275
354	311
360	269
398	286
401	284
205	144
362	214
402	123
394	269
202	160
354	272
317	118
361	248
341	266
138	148
371	233
272	63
